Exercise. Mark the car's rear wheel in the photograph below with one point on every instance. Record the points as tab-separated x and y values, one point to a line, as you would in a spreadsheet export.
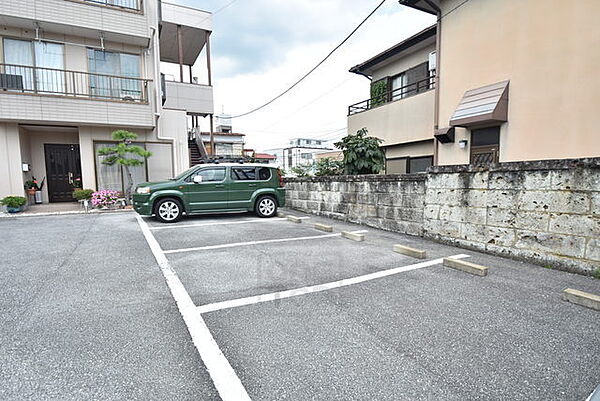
168	210
266	206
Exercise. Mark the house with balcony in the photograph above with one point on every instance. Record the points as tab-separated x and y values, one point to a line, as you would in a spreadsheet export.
400	108
73	71
516	80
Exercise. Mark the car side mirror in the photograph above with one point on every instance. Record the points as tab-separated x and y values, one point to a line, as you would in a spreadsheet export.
197	179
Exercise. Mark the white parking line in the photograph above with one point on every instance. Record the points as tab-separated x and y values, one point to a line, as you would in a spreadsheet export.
234	303
249	243
226	381
218	223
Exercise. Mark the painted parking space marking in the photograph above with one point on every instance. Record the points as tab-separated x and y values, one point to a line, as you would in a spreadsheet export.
234	303
226	381
217	223
250	243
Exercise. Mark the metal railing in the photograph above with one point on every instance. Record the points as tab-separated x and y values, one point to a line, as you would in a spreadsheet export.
396	94
51	81
126	4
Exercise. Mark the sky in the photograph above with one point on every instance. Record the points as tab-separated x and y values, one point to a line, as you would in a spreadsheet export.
260	47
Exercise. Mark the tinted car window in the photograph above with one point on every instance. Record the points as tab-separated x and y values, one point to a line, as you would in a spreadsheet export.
210	174
243	173
264	174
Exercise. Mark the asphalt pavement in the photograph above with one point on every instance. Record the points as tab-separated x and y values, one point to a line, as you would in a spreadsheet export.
296	313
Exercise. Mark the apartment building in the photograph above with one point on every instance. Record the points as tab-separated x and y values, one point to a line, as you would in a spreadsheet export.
400	109
73	71
300	152
515	80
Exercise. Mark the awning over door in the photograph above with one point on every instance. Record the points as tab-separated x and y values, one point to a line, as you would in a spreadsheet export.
487	104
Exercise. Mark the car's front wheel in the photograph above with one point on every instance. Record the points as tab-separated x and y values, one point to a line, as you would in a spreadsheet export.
266	206
168	210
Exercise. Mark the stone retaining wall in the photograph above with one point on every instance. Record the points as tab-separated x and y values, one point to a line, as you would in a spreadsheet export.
546	212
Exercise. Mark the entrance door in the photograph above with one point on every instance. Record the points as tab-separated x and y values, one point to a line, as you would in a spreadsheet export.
63	167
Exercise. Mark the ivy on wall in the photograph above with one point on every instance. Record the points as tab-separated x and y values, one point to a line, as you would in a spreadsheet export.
379	90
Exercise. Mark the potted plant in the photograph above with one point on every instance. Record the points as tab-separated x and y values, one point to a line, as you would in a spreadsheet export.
32	186
105	198
83	194
14	204
77	184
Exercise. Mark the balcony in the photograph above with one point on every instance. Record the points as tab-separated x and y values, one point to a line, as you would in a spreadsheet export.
402	115
47	94
121	21
403	92
195	99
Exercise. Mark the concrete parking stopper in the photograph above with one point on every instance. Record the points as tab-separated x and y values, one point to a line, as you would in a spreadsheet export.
280	214
408	251
581	298
466	267
353	236
324	227
294	219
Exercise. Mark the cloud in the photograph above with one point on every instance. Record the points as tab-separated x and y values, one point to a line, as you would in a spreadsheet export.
260	47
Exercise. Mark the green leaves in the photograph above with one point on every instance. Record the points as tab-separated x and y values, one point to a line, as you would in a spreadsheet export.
328	166
362	154
119	154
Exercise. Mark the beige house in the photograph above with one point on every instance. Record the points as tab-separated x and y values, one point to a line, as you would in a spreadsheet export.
516	80
73	71
400	110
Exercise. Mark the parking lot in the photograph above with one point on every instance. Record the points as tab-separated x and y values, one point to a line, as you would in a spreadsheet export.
269	309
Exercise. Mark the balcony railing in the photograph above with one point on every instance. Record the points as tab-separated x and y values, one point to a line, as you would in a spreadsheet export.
126	4
396	94
50	81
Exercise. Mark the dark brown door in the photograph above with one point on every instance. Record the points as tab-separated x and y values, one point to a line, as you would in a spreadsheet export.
63	167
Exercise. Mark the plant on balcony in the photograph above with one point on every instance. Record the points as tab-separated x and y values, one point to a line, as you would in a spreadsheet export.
124	155
328	166
362	154
379	90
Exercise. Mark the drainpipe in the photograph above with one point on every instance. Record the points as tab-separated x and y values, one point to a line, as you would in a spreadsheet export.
436	106
158	100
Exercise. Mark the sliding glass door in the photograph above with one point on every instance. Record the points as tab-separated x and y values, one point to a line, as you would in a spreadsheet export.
115	69
34	66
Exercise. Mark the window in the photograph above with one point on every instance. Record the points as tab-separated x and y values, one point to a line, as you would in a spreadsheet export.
132	4
306	156
264	174
216	174
485	145
37	66
113	177
410	82
243	173
116	68
419	164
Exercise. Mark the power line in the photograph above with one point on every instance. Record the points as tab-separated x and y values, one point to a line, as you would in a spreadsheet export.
314	68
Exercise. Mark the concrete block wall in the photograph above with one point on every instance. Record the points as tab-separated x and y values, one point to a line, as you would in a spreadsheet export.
545	212
390	202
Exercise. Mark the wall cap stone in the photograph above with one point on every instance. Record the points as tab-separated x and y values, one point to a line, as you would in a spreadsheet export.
558	164
361	178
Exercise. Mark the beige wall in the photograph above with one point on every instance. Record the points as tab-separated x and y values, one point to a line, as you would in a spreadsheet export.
405	120
11	176
397	66
414	149
548	49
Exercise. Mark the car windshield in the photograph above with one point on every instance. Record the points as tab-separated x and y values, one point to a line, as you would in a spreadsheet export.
184	174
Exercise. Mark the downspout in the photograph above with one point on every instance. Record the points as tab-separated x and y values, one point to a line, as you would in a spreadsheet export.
158	100
436	106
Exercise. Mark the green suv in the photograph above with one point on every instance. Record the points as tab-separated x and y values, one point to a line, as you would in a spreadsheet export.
213	188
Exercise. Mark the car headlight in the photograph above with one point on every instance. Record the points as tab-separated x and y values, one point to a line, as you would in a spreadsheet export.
143	190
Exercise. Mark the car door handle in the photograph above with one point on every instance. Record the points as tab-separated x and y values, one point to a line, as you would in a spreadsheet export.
251	185
220	186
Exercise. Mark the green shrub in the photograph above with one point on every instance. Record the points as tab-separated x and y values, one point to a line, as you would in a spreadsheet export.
13	201
596	273
302	170
362	154
83	194
328	166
